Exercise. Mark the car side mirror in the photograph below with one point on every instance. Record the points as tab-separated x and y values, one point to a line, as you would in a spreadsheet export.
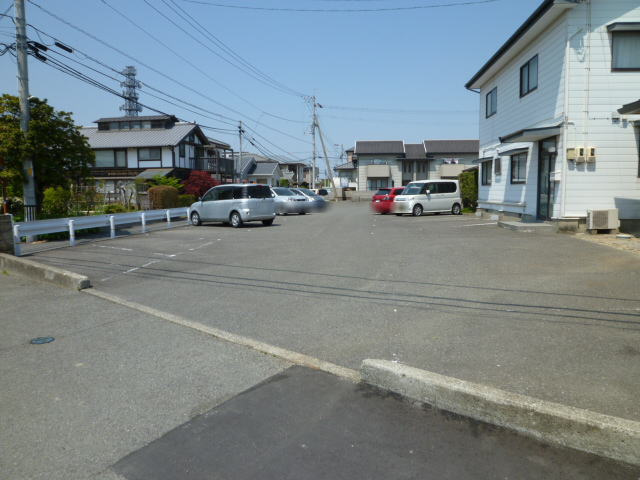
199	199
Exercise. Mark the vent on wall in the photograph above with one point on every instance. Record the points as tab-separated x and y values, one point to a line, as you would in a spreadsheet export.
603	219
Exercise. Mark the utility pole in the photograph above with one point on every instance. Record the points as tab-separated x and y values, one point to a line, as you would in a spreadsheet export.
239	166
29	185
326	159
313	135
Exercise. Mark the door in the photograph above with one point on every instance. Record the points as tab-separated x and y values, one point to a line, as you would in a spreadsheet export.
208	204
260	200
546	165
436	198
222	206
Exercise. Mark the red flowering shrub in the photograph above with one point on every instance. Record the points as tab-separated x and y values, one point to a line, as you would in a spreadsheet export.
198	183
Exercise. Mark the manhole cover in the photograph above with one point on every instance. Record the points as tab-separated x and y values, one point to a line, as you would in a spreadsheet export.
41	340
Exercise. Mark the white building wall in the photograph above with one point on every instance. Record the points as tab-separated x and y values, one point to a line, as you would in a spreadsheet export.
595	93
542	107
132	157
395	167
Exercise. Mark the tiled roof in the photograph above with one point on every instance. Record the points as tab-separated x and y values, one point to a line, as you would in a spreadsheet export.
144	117
264	168
345	166
452	146
383	147
137	138
415	151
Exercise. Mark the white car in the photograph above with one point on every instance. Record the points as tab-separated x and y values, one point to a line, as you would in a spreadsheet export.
437	196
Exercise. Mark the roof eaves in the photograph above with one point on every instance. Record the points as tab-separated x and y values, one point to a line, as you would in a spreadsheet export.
529	22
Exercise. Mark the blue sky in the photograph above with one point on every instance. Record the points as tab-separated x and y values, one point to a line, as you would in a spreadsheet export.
413	60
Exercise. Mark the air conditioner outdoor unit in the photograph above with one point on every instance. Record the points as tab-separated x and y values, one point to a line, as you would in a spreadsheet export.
603	219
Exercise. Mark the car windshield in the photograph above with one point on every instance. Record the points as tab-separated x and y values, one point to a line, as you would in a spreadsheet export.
383	191
283	192
412	189
306	191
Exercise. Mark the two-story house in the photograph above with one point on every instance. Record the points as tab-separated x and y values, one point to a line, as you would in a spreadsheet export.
558	131
126	147
380	164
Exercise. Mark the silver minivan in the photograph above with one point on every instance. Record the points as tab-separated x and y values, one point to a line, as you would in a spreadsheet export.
435	196
235	204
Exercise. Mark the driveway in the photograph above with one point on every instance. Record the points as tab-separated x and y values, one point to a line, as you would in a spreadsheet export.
539	314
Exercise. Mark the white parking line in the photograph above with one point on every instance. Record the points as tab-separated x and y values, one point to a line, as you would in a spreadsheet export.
115	248
479	224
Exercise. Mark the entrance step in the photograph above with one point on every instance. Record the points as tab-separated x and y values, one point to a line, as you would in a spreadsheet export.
528	227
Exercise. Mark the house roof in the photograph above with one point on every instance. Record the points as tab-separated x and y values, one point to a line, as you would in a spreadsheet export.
143	117
345	166
520	33
264	168
139	138
415	151
452	146
218	143
384	147
632	108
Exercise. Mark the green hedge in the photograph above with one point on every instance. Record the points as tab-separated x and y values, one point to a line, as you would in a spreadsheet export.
469	188
186	200
163	196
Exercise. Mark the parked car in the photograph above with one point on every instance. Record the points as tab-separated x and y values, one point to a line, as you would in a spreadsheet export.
235	204
317	203
323	192
435	196
382	201
287	201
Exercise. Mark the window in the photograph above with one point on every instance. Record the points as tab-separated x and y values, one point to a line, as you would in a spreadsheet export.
181	149
625	50
447	187
103	126
146	124
111	158
252	191
157	124
529	76
124	125
211	195
377	183
492	103
497	166
149	154
486	172
519	168
114	125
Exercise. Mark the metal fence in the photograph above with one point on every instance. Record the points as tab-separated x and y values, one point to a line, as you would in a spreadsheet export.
73	224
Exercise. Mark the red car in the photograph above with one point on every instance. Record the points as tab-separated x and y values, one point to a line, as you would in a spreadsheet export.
382	201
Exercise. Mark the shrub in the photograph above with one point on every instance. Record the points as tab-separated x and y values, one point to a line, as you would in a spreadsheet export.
185	200
168	181
56	202
163	196
284	182
198	183
114	208
469	188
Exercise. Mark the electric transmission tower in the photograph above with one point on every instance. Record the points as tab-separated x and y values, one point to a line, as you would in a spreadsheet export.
131	106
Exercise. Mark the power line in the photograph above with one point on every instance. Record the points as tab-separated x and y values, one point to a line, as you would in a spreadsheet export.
397	110
341	10
162	73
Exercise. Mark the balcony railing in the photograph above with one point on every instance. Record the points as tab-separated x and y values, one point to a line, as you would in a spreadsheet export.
214	165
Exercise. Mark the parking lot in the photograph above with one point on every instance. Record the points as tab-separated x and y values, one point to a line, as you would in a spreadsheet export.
541	314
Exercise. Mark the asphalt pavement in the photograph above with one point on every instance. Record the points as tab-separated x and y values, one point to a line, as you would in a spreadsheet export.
539	314
308	425
112	381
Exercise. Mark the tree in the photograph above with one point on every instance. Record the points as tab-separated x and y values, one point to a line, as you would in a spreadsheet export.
61	155
167	181
199	182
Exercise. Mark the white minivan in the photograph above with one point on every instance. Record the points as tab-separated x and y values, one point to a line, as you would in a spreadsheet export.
435	196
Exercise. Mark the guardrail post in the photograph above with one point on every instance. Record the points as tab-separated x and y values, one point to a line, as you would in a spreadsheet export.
168	218
72	234
188	215
16	240
143	220
112	226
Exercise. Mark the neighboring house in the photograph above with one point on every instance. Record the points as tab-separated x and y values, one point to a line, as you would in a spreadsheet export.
294	171
347	175
380	164
267	173
559	114
127	147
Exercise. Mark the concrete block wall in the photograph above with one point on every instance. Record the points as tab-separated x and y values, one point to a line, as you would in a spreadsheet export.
6	234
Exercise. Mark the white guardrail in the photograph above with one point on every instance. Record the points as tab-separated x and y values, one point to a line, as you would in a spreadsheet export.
71	224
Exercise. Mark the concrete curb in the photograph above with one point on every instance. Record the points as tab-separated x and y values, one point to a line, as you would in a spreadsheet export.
591	432
44	273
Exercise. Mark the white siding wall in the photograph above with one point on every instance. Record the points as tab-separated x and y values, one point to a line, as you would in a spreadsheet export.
132	157
612	181
539	108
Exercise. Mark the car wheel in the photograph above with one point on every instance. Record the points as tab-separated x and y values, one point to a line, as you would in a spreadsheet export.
456	210
195	219
267	223
417	211
235	220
